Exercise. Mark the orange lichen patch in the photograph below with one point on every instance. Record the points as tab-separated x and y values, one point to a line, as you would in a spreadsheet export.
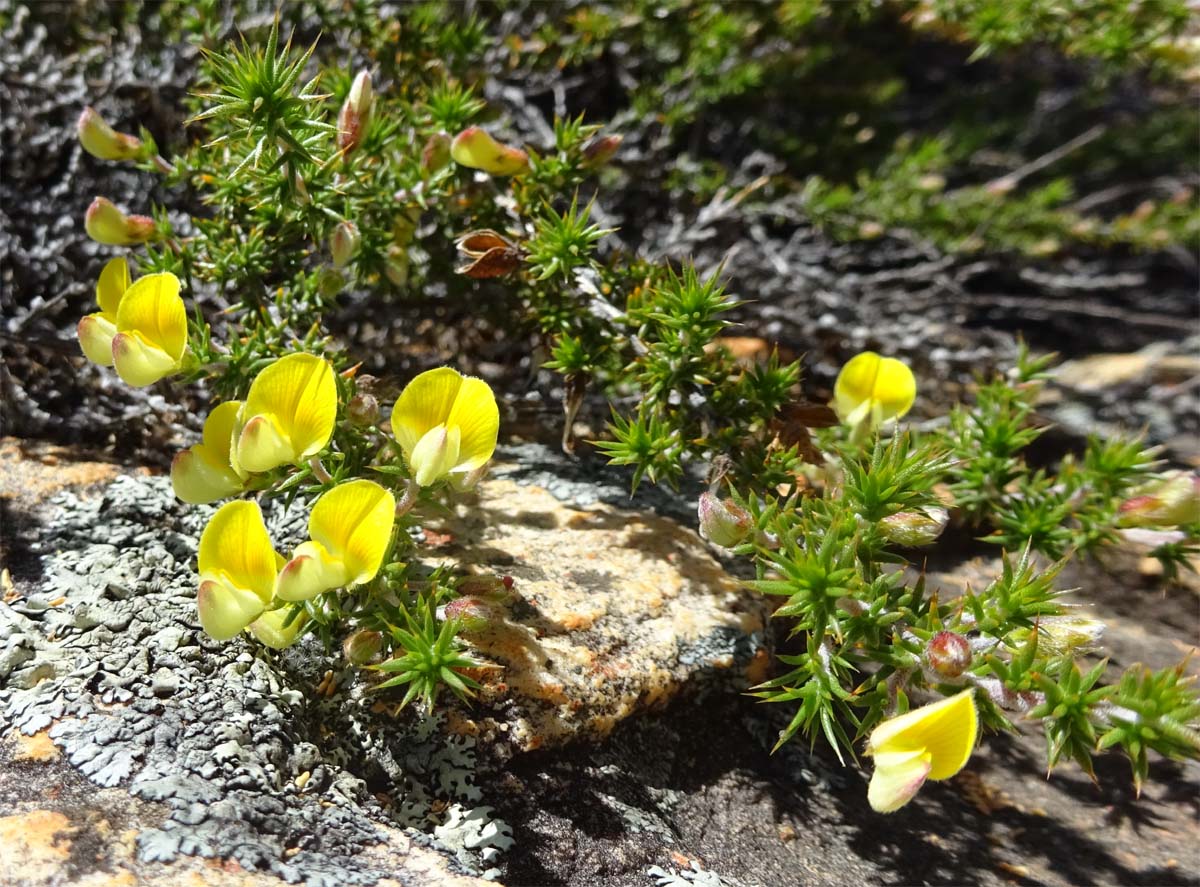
30	471
39	748
36	844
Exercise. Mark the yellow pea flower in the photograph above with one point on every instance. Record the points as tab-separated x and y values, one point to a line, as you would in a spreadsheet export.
202	473
288	415
106	224
445	423
151	335
270	630
476	149
930	742
96	331
102	141
351	527
238	565
871	390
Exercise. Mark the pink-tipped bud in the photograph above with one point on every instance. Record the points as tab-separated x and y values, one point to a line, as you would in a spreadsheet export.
343	243
107	224
356	113
600	150
1169	502
723	523
363	410
102	141
475	616
436	153
948	654
912	529
362	646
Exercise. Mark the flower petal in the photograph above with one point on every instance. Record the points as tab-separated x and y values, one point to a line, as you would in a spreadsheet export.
353	522
218	429
855	384
310	571
269	628
114	280
478	419
152	306
897	777
424	403
262	445
435	455
945	729
300	392
197	478
895	388
235	545
95	339
138	362
225	609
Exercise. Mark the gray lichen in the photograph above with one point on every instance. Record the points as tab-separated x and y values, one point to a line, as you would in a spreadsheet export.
252	763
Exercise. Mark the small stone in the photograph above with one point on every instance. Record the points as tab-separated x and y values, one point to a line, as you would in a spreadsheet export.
164	683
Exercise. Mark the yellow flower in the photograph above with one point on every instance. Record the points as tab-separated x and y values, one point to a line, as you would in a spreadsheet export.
871	390
151	335
931	742
96	331
474	148
288	415
351	528
445	423
269	628
238	566
102	141
202	473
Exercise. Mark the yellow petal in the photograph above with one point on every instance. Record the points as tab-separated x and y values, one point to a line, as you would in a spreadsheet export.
869	385
353	522
197	479
310	571
225	609
152	307
114	280
425	403
262	445
269	628
435	455
897	777
477	417
945	729
138	362
300	392
235	545
895	388
475	148
218	429
95	339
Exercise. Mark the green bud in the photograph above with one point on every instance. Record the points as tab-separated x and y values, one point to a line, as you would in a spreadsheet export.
362	646
343	243
912	529
723	523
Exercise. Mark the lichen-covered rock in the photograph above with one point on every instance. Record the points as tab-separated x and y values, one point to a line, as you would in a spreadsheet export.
287	765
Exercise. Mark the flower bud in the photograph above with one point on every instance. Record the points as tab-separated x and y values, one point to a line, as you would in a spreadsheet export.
436	153
362	646
396	268
343	243
475	616
106	224
600	150
912	529
724	523
1168	502
329	282
948	654
474	148
356	113
1068	634
102	141
363	410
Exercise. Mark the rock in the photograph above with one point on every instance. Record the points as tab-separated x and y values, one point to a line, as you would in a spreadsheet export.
287	765
615	612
